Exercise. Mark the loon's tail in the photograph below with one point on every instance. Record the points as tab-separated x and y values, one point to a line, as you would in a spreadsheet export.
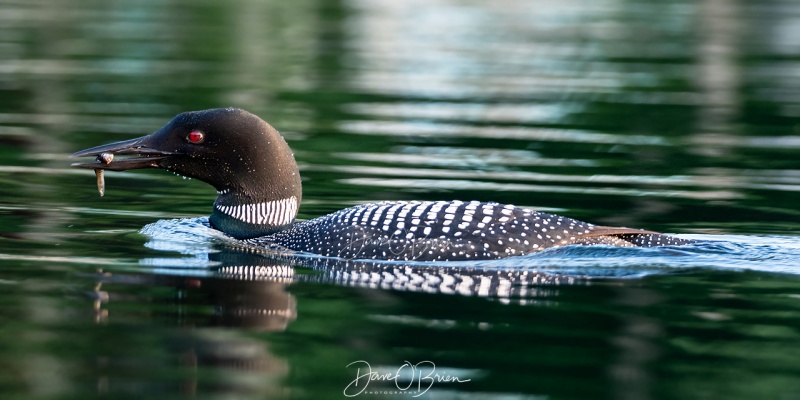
627	237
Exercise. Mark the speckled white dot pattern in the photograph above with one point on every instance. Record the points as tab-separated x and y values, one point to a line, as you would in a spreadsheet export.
445	231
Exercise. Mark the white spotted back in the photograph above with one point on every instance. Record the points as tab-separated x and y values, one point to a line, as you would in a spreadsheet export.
445	231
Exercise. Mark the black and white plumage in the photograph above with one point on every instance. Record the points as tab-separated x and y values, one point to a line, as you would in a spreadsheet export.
447	231
258	182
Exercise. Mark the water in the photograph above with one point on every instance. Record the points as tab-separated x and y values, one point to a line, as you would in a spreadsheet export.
672	116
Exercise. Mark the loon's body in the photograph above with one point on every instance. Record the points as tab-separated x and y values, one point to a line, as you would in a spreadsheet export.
446	231
258	182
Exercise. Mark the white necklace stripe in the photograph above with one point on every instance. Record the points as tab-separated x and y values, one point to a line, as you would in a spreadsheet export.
273	213
278	212
281	209
262	212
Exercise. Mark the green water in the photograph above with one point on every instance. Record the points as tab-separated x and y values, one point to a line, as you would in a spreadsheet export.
674	116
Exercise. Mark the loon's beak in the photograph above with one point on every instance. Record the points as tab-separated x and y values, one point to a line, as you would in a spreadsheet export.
147	156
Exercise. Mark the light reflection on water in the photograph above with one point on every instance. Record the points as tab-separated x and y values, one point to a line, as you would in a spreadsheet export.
438	130
487	113
500	50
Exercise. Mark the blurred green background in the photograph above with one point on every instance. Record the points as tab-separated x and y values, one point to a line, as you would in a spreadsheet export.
678	116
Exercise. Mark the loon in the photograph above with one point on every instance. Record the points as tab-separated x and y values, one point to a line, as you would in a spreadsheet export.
259	192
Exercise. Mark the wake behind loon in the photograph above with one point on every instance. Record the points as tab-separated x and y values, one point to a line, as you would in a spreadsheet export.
258	182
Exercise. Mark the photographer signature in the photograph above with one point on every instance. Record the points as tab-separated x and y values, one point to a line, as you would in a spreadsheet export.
408	378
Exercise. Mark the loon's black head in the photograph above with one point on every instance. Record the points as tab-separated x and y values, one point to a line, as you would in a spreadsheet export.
243	157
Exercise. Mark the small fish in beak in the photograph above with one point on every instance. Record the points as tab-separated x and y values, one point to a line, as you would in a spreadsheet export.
106	159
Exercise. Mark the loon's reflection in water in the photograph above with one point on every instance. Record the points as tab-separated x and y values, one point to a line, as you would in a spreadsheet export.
251	290
505	285
209	356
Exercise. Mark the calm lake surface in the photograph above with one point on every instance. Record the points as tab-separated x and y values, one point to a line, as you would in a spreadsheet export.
674	116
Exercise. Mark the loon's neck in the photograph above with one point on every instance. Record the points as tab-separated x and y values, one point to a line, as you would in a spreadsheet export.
245	218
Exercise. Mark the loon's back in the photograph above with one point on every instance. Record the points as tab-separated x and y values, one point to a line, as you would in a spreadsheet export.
447	231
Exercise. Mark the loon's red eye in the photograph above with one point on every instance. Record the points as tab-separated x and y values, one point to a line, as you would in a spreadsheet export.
195	137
